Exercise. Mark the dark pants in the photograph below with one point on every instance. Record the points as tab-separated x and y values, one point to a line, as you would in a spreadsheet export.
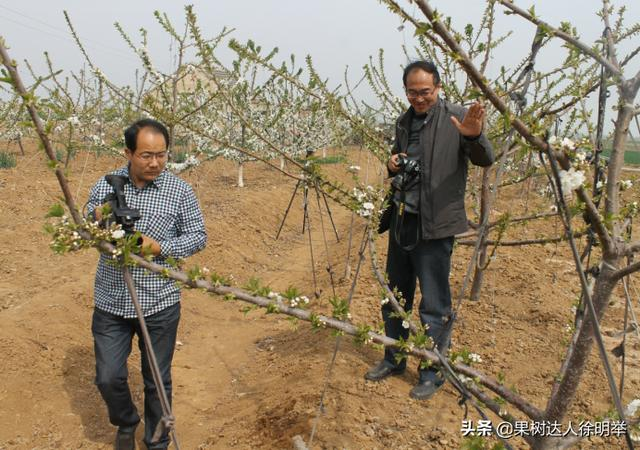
430	263
113	336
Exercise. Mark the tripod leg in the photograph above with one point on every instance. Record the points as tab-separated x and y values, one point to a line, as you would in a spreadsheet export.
305	205
286	213
326	204
326	246
167	420
313	262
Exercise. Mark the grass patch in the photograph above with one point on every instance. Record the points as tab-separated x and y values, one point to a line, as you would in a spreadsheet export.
337	159
178	156
7	160
630	157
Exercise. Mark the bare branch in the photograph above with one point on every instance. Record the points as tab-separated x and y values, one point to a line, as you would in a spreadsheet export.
632	248
521	127
510	222
595	220
628	270
396	8
526	241
564	36
608	35
29	101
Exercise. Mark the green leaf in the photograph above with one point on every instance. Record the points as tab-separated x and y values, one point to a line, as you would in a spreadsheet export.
468	30
56	210
422	29
532	11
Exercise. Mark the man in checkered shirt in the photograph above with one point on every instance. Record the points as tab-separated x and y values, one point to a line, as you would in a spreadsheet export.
171	226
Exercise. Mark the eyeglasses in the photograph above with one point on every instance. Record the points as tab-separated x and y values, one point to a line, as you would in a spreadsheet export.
415	94
148	156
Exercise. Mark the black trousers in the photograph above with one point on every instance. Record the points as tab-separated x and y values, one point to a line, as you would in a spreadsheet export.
430	263
113	337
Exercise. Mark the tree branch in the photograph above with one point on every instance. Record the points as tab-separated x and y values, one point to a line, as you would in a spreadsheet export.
628	270
526	241
521	127
496	387
29	101
564	36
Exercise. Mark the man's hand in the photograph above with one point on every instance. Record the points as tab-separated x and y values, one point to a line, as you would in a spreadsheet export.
150	246
98	212
472	122
393	162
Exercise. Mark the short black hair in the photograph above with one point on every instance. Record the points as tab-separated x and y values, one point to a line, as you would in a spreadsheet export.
427	66
131	133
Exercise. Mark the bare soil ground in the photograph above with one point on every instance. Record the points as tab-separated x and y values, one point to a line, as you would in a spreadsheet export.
250	380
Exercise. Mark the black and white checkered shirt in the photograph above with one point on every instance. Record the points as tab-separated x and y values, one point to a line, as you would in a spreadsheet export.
170	215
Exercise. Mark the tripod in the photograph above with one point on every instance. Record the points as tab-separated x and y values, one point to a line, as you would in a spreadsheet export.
305	205
306	223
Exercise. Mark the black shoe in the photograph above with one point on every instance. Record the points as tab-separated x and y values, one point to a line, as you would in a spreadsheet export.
429	385
382	371
126	440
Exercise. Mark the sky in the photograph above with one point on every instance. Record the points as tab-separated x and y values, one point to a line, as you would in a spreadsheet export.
337	33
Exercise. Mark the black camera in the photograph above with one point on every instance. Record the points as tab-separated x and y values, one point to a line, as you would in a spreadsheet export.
121	213
409	173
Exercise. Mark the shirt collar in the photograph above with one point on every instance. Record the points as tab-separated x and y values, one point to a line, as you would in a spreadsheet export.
156	183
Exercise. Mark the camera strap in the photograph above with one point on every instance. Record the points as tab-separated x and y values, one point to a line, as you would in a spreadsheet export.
397	229
400	214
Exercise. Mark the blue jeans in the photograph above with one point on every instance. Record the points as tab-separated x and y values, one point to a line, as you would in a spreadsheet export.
113	336
430	263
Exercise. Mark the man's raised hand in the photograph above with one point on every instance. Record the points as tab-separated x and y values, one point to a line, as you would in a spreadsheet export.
473	121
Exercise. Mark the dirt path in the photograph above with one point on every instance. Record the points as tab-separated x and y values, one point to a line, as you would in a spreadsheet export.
254	380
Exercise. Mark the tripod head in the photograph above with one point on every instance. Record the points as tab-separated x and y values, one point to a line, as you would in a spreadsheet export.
122	214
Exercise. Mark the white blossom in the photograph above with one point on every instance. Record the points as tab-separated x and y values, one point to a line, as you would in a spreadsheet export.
571	179
632	408
358	194
117	234
366	209
474	357
405	324
625	184
568	144
73	120
384	301
191	161
580	157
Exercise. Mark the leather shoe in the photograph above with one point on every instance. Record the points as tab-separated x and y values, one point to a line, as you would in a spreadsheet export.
382	371
126	440
427	387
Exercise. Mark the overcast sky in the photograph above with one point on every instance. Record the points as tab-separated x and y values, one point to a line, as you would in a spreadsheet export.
336	33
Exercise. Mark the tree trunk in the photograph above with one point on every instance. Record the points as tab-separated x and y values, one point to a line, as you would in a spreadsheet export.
240	174
560	402
482	256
